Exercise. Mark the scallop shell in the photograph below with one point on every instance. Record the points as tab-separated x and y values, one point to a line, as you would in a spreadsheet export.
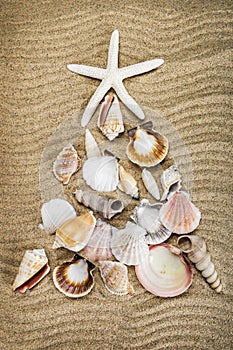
146	147
75	233
150	184
197	252
165	272
179	214
66	164
106	206
54	213
115	277
75	278
110	120
127	183
129	245
101	173
33	268
92	148
98	246
170	177
146	215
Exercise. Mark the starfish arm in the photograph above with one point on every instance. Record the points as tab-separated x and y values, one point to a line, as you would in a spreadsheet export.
88	71
140	68
113	50
94	101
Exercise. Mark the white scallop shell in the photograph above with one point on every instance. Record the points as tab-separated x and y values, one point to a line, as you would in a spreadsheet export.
127	183
92	148
150	183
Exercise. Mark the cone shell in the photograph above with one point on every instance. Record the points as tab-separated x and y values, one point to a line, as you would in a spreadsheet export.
165	272
66	164
197	252
170	177
110	120
146	147
32	269
75	278
75	233
92	148
179	214
127	183
150	184
115	277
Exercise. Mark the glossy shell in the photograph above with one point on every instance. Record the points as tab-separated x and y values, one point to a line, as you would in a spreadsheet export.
150	184
127	183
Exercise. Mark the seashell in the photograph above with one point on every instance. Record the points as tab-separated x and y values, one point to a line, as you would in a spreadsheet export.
127	183
54	213
146	147
197	252
33	268
66	164
150	184
110	120
75	233
146	215
92	148
108	207
74	278
98	246
129	245
179	214
115	277
170	177
165	272
101	173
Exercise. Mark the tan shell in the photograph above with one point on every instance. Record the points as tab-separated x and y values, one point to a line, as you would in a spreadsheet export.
170	177
196	249
127	183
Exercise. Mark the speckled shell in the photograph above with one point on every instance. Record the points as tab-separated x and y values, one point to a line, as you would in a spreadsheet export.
91	146
127	183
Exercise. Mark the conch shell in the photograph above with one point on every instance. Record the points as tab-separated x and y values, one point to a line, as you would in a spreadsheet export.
169	178
195	247
127	183
92	148
150	184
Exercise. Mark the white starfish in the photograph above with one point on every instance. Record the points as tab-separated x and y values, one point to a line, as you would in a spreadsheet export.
112	77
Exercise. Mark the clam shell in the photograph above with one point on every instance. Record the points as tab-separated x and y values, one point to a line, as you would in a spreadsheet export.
165	272
150	184
115	277
127	183
75	278
179	214
75	233
66	164
33	268
54	213
129	245
170	177
92	148
146	147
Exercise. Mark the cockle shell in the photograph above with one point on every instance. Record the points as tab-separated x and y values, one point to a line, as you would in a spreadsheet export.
108	207
101	173
74	278
146	215
170	177
150	184
165	272
129	245
110	120
99	244
196	249
75	233
115	277
66	164
32	269
91	146
127	183
146	147
179	214
54	213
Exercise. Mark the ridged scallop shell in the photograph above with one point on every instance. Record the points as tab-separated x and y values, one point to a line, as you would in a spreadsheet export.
108	207
110	120
150	184
146	215
99	244
91	146
170	177
179	214
129	245
54	213
197	252
75	233
115	277
165	272
66	164
127	183
33	268
146	147
75	278
101	173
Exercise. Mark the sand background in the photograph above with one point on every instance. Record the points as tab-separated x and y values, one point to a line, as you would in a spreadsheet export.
191	90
